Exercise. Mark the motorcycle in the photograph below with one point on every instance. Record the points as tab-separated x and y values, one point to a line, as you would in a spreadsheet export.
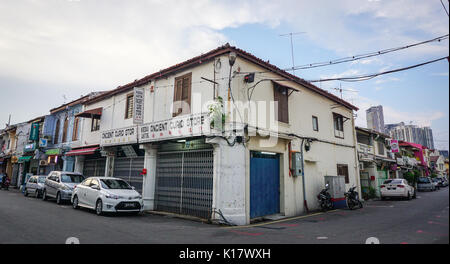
352	198
325	199
5	184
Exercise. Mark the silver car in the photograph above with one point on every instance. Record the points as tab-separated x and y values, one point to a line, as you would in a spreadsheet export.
60	185
35	185
425	183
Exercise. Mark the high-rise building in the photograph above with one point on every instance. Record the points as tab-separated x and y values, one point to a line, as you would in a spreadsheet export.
411	133
375	118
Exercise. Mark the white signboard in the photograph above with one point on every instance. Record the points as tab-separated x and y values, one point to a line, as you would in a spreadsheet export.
119	136
178	127
138	106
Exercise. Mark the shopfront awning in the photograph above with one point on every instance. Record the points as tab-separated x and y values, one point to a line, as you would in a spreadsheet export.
24	159
93	113
84	151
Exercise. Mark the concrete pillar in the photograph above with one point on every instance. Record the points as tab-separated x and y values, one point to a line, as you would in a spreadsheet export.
149	180
109	170
229	184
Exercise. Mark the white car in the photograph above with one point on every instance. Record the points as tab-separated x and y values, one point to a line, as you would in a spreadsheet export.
107	194
397	188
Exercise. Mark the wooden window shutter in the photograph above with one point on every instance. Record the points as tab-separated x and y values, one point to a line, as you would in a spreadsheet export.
182	92
281	96
177	96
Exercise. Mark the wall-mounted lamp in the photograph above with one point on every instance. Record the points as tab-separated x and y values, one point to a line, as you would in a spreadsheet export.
232	58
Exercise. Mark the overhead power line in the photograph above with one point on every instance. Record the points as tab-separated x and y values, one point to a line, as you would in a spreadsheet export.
444	7
370	76
366	55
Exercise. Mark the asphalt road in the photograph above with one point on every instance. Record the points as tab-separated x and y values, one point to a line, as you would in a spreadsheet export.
423	220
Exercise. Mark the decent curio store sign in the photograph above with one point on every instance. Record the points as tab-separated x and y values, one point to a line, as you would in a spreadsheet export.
119	136
178	127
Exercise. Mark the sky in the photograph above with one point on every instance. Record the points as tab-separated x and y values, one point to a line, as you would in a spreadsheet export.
54	51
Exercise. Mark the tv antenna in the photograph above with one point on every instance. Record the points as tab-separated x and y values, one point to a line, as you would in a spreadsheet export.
292	46
341	90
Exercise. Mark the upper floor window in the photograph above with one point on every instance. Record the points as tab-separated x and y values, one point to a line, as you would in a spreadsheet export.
338	121
95	125
315	123
76	123
57	127
129	106
342	170
182	95
380	148
66	127
281	96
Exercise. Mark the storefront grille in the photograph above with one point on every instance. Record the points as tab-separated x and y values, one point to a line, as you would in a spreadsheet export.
94	168
184	182
129	169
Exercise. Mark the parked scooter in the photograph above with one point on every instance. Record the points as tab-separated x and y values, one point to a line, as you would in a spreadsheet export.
352	198
325	199
5	183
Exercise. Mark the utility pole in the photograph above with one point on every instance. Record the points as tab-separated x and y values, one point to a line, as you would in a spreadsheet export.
292	47
9	120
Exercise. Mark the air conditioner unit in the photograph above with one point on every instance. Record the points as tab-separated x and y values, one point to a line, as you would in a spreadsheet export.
361	166
43	163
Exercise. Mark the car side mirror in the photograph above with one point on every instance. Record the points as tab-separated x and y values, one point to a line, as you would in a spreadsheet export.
95	187
132	187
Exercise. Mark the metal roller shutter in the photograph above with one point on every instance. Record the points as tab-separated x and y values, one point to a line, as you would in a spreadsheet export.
94	168
184	182
129	169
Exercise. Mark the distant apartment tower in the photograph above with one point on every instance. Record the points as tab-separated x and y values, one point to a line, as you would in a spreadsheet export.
375	118
411	133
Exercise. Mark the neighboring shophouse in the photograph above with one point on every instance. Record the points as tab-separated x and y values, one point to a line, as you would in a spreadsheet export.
8	149
437	163
376	162
204	136
415	157
61	133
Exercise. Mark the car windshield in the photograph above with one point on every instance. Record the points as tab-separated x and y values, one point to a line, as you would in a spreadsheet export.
114	184
72	178
41	179
397	182
423	180
387	181
435	180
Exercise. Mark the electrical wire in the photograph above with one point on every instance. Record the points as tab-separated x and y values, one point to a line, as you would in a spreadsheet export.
357	57
371	76
444	7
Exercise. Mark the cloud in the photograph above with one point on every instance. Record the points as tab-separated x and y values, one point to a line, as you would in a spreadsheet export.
445	74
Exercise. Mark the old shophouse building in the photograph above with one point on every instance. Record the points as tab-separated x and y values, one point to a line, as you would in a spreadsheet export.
222	136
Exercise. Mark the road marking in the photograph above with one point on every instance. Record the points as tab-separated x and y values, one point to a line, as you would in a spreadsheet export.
437	223
381	206
322	238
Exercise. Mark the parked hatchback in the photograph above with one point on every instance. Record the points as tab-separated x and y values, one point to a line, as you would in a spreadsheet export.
444	182
425	184
60	185
107	194
35	185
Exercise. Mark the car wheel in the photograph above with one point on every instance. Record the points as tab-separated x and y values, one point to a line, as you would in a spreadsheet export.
25	192
44	195
414	195
58	198
75	202
36	194
409	196
383	198
99	207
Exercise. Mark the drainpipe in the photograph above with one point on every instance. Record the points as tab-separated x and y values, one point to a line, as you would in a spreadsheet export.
358	176
305	204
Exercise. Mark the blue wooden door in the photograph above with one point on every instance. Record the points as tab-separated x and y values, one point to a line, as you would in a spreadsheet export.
264	185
